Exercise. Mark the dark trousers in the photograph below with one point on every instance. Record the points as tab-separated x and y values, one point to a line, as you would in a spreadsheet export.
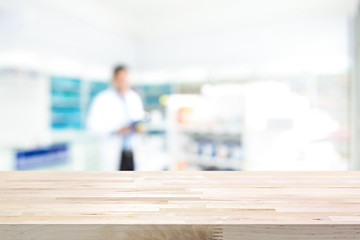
127	161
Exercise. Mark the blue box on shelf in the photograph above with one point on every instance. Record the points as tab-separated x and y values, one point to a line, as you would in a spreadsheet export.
42	157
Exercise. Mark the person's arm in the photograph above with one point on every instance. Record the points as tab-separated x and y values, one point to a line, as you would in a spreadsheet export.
123	130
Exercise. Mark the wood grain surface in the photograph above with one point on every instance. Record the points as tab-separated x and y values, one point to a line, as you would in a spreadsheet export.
179	205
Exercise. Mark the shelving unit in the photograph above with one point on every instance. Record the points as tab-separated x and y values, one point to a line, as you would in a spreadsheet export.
210	163
214	148
152	94
70	100
202	137
66	109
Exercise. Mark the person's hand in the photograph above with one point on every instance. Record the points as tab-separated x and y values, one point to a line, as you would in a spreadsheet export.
124	130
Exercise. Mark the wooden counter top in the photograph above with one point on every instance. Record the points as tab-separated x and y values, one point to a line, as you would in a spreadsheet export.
169	205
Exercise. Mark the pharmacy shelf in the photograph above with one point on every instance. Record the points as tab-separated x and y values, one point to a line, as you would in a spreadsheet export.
213	134
220	163
158	128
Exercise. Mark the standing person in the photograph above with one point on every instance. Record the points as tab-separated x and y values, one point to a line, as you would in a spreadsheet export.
112	116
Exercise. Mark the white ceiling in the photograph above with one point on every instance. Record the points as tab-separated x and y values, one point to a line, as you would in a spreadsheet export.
154	18
171	33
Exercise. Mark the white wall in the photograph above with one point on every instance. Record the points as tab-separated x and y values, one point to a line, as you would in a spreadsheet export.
33	34
46	36
311	45
24	104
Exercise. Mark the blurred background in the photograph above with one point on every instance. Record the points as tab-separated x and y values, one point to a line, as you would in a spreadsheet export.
228	84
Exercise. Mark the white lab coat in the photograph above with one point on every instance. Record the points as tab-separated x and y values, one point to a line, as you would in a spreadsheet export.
106	115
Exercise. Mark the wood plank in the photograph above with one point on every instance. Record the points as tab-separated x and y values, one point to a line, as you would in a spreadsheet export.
180	205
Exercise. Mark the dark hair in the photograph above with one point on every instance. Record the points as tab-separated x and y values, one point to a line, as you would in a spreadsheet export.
119	68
